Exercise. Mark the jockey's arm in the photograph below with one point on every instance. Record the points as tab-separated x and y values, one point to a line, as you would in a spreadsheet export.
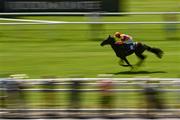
119	43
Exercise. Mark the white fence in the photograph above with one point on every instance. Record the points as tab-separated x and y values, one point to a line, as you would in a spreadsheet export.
141	82
96	79
94	82
88	13
93	14
38	23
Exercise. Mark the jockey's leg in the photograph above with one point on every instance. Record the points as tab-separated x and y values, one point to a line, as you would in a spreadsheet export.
129	47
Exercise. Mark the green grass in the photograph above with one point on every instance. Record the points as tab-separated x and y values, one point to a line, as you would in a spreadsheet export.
63	50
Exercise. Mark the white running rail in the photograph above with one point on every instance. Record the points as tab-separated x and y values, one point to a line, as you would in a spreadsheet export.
88	13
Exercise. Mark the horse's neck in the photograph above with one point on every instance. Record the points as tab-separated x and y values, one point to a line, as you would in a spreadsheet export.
115	48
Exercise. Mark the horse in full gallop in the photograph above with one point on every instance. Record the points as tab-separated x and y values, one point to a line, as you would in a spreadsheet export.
139	48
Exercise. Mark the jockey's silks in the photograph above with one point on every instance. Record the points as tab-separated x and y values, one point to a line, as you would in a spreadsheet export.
127	39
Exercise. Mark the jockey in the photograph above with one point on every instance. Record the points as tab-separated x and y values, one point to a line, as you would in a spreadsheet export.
123	39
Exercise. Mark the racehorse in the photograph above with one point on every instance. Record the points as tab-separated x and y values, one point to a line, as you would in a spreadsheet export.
139	48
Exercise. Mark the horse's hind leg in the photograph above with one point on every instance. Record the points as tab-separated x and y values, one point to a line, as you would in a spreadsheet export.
139	53
141	57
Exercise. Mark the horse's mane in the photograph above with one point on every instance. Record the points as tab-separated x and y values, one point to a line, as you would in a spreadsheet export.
112	37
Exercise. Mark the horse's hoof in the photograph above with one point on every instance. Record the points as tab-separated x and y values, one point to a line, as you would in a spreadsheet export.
132	67
160	55
121	64
125	65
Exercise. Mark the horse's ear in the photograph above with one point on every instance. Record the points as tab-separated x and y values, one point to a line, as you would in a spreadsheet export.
109	36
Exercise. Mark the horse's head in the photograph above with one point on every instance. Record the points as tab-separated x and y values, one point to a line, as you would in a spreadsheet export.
110	40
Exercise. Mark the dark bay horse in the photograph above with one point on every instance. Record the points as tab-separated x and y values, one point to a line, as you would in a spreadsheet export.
122	53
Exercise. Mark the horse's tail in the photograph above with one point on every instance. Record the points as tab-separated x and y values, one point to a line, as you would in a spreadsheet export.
158	52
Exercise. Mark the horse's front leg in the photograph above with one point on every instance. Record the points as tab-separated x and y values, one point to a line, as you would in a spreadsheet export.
121	62
127	62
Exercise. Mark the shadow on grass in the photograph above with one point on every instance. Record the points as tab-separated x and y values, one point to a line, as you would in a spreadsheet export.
137	72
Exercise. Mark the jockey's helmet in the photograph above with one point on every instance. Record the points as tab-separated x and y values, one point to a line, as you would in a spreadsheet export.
117	34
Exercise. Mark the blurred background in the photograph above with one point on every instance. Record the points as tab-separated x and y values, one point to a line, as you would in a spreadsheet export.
52	40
